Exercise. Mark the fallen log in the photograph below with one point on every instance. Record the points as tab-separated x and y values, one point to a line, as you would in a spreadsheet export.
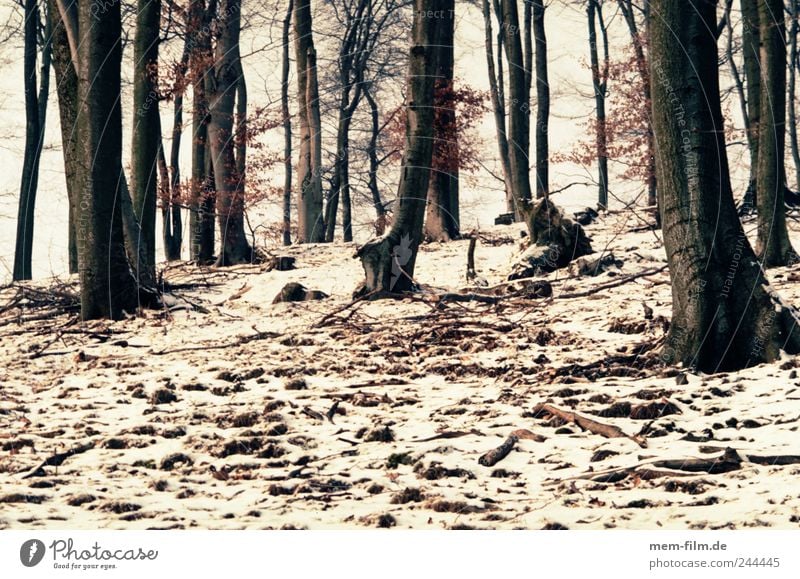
606	430
58	459
495	455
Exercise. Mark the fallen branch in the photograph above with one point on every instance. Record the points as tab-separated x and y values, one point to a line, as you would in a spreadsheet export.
58	459
613	284
494	456
606	430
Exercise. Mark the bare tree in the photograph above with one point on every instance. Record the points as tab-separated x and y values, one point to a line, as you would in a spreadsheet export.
594	12
287	128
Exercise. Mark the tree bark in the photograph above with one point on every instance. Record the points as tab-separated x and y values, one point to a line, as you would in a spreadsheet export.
725	316
773	245
791	105
600	83
389	260
542	103
229	182
287	129
442	220
374	163
107	286
203	198
67	91
34	140
311	228
751	48
519	112
146	132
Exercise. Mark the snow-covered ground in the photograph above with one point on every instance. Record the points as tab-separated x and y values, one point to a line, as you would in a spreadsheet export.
195	420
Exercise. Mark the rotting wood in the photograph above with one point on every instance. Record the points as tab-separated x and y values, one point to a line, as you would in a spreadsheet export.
606	430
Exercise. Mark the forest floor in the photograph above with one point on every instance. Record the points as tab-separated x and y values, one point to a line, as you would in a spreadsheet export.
330	414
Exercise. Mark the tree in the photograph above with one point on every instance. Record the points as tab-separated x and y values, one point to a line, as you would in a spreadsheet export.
389	260
107	286
542	101
442	219
751	42
773	245
146	140
287	128
35	112
225	78
311	228
594	12
794	14
725	316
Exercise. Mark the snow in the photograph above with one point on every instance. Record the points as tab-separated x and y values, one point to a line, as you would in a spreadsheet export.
421	370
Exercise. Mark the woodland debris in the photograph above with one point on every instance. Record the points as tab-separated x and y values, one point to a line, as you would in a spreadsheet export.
606	430
59	458
494	456
280	263
295	292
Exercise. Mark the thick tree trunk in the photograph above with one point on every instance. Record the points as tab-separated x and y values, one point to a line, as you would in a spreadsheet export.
34	140
773	244
107	285
791	105
229	183
389	260
203	200
519	114
442	220
146	133
751	48
724	314
287	129
542	103
599	82
498	105
311	228
67	91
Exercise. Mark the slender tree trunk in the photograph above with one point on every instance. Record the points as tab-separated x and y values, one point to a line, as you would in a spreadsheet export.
737	77
542	103
372	154
203	200
389	260
34	136
442	221
498	105
791	105
67	91
287	129
311	228
751	47
773	245
107	286
724	314
519	113
599	82
146	132
229	182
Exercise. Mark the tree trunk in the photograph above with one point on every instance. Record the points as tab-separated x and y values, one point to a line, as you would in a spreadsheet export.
724	315
389	260
34	136
442	220
224	75
287	129
519	113
542	103
67	91
107	286
203	201
374	163
146	132
793	30
171	222
498	104
311	228
773	244
599	82
751	48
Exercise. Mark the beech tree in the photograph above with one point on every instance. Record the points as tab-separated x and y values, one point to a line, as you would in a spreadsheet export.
594	12
287	128
389	260
725	316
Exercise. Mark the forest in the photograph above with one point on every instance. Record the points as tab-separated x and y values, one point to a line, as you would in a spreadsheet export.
411	264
